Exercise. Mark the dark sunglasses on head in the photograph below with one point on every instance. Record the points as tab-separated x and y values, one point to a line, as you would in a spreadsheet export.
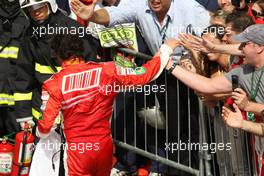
256	14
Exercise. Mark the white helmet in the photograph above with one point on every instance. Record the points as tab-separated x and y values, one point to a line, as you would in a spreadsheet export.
28	3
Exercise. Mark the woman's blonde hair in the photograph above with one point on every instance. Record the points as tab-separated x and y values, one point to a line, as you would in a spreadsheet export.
220	14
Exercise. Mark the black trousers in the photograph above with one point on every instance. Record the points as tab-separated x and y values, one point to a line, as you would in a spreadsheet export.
8	122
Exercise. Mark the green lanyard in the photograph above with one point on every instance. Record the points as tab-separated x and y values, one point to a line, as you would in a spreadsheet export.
254	92
164	30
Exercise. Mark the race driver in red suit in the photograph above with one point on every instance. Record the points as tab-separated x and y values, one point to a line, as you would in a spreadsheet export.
84	93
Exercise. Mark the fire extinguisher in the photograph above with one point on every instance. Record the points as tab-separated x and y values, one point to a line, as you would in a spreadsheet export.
24	144
6	157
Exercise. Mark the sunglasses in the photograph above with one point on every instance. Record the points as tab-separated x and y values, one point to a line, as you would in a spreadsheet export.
257	14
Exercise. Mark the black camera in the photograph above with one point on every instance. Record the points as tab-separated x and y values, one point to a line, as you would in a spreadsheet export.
235	82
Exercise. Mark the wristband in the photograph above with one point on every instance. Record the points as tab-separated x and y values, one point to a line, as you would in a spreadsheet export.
172	67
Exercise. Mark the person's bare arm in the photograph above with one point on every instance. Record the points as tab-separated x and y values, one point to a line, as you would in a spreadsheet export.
200	83
206	46
124	13
100	16
232	49
253	127
255	108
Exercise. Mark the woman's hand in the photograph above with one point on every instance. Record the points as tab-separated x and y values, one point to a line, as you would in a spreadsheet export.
198	43
186	41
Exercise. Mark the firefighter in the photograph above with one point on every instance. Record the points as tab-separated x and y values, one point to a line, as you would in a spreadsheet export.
37	61
12	25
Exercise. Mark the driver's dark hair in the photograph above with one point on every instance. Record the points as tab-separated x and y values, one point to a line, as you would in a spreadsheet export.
67	45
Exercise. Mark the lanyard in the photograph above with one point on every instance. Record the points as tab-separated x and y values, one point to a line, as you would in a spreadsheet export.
254	91
164	30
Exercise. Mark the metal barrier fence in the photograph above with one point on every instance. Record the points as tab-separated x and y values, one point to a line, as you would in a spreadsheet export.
187	140
237	160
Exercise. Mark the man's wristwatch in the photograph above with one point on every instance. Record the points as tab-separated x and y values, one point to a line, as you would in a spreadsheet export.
172	67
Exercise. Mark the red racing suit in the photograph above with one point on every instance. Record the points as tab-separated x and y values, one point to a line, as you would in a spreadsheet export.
85	93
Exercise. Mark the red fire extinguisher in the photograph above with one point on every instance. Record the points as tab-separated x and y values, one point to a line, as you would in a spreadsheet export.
6	157
24	145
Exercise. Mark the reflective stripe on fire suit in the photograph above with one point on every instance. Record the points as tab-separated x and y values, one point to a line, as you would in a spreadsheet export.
38	62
